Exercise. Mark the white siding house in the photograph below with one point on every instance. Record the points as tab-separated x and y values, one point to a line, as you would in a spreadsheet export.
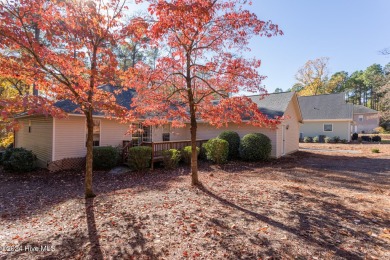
56	141
326	115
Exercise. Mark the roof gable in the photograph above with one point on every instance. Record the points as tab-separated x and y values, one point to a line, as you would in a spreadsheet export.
273	105
360	109
325	107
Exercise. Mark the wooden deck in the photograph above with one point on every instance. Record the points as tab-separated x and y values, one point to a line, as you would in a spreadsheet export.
159	147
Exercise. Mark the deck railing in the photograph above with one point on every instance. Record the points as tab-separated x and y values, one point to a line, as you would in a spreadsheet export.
159	147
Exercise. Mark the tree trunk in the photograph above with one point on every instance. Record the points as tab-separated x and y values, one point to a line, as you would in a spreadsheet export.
89	159
194	154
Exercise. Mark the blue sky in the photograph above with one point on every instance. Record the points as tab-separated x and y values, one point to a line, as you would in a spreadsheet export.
351	33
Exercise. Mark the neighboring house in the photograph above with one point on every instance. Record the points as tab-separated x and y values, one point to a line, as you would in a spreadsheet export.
326	115
365	119
61	143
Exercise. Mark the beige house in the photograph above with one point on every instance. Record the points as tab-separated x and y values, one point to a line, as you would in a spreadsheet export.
365	119
326	115
57	142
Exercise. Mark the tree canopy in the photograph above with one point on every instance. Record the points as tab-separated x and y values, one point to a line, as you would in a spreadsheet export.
203	66
64	49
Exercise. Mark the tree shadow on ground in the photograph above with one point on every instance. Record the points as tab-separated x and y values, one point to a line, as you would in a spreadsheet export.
95	251
342	171
85	244
29	194
312	224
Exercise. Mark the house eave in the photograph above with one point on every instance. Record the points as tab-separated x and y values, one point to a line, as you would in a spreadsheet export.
328	119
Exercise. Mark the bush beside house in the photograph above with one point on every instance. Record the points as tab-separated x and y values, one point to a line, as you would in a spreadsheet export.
18	160
234	142
217	150
105	157
255	147
171	158
187	152
139	157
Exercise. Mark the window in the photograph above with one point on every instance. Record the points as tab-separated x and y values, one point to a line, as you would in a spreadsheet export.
328	127
360	118
147	133
142	134
96	132
166	133
166	137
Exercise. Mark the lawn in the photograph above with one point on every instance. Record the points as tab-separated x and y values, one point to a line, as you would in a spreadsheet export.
310	205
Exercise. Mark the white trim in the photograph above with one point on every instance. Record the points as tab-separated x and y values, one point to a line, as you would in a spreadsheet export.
53	150
323	127
85	132
327	120
100	132
69	114
349	132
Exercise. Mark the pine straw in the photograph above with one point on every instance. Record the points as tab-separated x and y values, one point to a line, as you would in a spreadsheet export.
305	206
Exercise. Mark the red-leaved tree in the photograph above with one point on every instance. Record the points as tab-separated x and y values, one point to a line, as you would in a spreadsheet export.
204	42
65	49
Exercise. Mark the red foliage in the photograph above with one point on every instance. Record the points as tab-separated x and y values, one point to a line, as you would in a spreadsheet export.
203	63
65	49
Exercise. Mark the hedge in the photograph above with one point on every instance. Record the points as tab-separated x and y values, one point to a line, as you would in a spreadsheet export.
187	152
255	147
105	157
234	142
139	157
19	160
217	150
171	158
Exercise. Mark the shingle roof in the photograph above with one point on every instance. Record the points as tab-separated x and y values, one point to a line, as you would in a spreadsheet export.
271	105
274	104
330	106
123	99
360	109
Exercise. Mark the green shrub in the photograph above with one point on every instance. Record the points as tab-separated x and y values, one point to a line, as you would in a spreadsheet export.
171	158
105	157
202	154
187	152
19	160
344	141
316	139
234	142
376	138
336	139
375	150
217	150
327	139
139	157
255	147
307	139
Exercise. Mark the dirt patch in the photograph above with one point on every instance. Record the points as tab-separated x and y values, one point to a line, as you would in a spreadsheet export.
305	206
